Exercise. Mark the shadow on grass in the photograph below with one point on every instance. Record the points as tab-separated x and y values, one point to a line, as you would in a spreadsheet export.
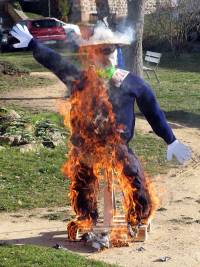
51	239
188	119
185	62
185	118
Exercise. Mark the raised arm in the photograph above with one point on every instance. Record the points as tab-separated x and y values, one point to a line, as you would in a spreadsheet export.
53	61
60	66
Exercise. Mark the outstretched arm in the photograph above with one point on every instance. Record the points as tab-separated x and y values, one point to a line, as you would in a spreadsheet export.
149	106
44	55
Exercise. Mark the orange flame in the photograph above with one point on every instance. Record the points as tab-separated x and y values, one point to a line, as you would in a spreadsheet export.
97	148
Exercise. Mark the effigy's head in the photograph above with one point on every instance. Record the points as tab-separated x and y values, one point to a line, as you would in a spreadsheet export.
100	55
100	49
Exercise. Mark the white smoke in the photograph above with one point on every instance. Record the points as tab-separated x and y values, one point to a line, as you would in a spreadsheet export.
103	34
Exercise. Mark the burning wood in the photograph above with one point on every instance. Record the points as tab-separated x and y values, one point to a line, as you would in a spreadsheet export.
119	243
111	230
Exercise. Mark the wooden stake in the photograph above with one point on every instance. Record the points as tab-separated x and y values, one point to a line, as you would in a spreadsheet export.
108	206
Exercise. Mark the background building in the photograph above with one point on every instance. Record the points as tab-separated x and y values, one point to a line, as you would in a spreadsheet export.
86	9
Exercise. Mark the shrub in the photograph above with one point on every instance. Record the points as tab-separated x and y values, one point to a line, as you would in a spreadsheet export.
171	24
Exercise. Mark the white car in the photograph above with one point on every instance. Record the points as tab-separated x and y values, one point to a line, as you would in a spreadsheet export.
71	28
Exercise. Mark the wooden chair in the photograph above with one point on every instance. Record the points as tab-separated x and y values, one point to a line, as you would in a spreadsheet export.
152	59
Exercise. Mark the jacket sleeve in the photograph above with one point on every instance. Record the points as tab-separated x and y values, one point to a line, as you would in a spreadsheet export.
53	61
150	108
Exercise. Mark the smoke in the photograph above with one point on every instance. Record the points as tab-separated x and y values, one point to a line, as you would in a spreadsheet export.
103	34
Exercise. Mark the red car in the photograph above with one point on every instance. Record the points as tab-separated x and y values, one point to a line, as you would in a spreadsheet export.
48	30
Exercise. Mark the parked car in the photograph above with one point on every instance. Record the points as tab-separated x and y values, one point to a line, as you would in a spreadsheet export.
50	31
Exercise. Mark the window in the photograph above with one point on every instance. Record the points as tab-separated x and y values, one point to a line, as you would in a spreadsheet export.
47	23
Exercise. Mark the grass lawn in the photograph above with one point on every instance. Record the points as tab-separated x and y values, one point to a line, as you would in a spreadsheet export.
33	15
179	91
34	179
8	82
23	59
32	256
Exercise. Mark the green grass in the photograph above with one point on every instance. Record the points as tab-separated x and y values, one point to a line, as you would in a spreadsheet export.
35	116
151	151
9	83
34	179
33	15
23	59
32	256
179	91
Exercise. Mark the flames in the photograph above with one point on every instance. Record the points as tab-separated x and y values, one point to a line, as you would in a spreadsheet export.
96	150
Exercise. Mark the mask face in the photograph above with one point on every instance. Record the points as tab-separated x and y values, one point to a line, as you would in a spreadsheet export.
109	52
101	56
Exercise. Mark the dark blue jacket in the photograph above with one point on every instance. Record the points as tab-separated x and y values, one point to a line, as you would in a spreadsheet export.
122	98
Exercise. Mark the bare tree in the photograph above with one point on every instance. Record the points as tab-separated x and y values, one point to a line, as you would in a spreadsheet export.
59	9
135	18
176	22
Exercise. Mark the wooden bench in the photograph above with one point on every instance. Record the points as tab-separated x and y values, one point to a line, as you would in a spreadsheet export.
152	59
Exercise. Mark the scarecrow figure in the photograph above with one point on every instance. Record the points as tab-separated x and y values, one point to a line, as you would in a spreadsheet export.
123	89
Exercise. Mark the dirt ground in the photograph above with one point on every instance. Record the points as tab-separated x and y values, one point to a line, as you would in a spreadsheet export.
176	227
39	98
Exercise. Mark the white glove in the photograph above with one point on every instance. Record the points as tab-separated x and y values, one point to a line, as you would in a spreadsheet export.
22	34
179	150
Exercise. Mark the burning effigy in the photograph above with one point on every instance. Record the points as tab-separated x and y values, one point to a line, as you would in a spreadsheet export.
101	120
98	152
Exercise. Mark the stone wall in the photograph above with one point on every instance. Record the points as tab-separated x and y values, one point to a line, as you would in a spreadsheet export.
150	6
118	7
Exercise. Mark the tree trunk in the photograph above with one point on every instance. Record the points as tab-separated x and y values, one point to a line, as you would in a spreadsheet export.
74	15
135	18
103	9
